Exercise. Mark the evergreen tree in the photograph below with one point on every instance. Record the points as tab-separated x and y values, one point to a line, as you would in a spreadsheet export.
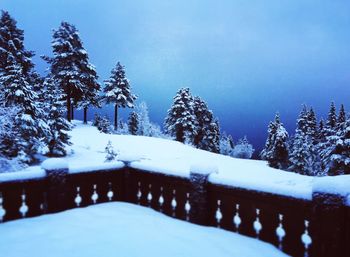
341	117
226	144
144	122
8	131
303	157
16	78
276	147
58	137
71	69
117	90
12	48
133	123
243	149
181	122
211	138
311	122
204	118
110	153
332	117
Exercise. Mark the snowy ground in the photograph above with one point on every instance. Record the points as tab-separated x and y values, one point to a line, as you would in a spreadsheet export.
154	154
121	229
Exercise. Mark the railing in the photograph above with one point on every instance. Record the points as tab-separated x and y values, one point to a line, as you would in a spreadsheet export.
319	227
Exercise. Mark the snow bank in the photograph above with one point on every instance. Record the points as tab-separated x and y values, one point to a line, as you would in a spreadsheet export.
204	169
122	229
173	158
29	173
54	164
333	185
92	168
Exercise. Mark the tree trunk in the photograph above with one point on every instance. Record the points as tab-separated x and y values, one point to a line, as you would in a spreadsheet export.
68	107
85	115
115	117
72	115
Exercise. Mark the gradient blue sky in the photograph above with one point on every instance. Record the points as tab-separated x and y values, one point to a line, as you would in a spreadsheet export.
247	59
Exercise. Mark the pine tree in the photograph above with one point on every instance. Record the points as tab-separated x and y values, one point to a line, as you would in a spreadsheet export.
204	117
16	78
144	122
311	122
276	147
226	144
332	117
8	131
243	149
330	133
12	48
117	90
71	69
58	137
110	153
133	123
211	138
341	117
181	122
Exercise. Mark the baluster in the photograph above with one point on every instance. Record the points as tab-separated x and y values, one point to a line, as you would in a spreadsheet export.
94	196
161	200
139	193
78	198
187	206
306	239
257	224
110	193
24	208
237	219
2	210
280	232
173	203
218	214
149	195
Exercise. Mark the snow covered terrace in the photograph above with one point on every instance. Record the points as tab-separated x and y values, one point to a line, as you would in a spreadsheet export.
291	211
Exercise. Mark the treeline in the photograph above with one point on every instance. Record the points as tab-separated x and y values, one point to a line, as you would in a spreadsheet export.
317	148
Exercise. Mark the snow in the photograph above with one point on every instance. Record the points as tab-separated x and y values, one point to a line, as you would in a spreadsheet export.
174	158
201	168
333	185
29	173
122	229
54	164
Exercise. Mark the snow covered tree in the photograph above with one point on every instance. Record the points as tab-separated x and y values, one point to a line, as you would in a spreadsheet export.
58	137
303	156
110	153
181	122
144	122
204	117
341	117
243	149
332	117
276	147
8	132
29	121
211	138
117	91
226	144
12	48
133	123
336	153
104	125
71	69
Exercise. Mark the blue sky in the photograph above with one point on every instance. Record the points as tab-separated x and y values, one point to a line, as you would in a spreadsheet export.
247	59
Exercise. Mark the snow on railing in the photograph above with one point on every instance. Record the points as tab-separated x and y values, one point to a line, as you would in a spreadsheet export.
299	227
